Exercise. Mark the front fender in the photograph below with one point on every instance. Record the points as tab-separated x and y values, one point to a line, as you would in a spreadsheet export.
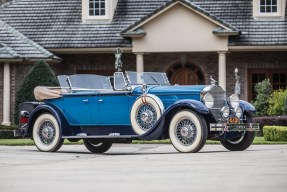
161	125
190	103
247	107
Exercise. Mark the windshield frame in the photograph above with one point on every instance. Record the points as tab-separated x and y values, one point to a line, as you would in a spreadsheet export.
85	82
148	78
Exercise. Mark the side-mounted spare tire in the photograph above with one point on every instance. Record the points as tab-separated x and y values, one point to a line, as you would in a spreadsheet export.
145	112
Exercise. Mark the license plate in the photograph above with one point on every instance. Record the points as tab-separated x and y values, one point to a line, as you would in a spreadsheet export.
233	120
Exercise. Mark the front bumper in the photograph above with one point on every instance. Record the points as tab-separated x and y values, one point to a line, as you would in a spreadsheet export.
226	127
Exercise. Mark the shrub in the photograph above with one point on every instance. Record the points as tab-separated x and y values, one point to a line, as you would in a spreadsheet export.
276	102
40	75
10	127
271	121
263	90
285	108
6	134
275	133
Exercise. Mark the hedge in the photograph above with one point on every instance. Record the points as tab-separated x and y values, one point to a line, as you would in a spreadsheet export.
271	121
6	134
275	133
10	127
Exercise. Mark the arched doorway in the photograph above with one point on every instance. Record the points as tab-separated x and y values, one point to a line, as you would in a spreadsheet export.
185	74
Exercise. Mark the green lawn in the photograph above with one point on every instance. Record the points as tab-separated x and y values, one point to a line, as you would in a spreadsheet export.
19	142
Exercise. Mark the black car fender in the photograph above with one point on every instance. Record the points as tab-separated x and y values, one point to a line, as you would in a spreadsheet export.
41	109
162	125
247	107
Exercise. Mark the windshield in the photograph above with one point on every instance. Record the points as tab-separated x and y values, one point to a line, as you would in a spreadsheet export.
85	81
149	78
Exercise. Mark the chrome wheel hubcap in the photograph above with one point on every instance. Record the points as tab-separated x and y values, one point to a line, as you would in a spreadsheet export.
186	132
146	117
47	133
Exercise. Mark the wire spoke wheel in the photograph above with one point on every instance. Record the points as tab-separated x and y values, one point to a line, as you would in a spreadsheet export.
47	133
188	131
145	113
146	117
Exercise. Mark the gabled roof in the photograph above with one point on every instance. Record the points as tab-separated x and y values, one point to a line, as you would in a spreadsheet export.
225	26
14	45
58	24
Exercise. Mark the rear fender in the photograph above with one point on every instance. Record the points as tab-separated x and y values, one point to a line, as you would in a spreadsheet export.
64	126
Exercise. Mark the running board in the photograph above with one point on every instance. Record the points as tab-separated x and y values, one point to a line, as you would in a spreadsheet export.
101	137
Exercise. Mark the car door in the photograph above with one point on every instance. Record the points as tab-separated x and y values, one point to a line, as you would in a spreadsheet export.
114	108
77	109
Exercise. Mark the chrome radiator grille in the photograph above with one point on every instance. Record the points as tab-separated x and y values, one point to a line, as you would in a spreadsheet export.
219	96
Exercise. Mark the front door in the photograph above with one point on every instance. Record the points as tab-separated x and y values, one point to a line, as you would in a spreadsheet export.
114	109
184	77
187	74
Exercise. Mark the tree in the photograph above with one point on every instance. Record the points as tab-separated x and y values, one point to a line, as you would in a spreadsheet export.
285	104
40	75
277	102
264	90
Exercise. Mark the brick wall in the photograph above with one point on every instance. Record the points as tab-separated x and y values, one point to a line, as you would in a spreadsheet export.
208	63
1	91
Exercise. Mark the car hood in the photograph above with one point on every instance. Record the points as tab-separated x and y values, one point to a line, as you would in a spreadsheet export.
172	90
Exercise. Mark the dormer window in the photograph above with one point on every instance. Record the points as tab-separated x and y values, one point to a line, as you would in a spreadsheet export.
268	6
98	10
269	9
97	7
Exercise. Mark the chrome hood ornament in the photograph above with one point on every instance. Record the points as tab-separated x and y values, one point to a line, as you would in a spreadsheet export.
237	83
118	63
212	81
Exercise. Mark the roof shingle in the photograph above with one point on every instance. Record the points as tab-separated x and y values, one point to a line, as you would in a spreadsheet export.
14	45
58	24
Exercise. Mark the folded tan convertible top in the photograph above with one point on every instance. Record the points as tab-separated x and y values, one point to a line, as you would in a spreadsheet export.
41	93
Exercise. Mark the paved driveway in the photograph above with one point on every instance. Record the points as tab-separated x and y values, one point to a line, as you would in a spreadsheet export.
136	168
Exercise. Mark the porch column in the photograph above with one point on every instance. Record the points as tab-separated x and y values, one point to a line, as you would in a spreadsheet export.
222	69
6	95
140	62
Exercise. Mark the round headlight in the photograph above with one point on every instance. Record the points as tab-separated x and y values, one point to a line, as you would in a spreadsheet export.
234	101
238	112
208	100
225	111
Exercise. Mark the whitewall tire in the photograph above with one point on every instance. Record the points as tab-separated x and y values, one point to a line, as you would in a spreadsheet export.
46	133
145	112
188	131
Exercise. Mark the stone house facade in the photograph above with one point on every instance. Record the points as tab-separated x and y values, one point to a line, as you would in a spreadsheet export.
190	40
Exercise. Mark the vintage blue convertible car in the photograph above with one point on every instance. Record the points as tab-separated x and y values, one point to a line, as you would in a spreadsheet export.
135	106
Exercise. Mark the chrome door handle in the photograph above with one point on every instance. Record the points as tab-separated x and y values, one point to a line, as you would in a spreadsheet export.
100	100
85	100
